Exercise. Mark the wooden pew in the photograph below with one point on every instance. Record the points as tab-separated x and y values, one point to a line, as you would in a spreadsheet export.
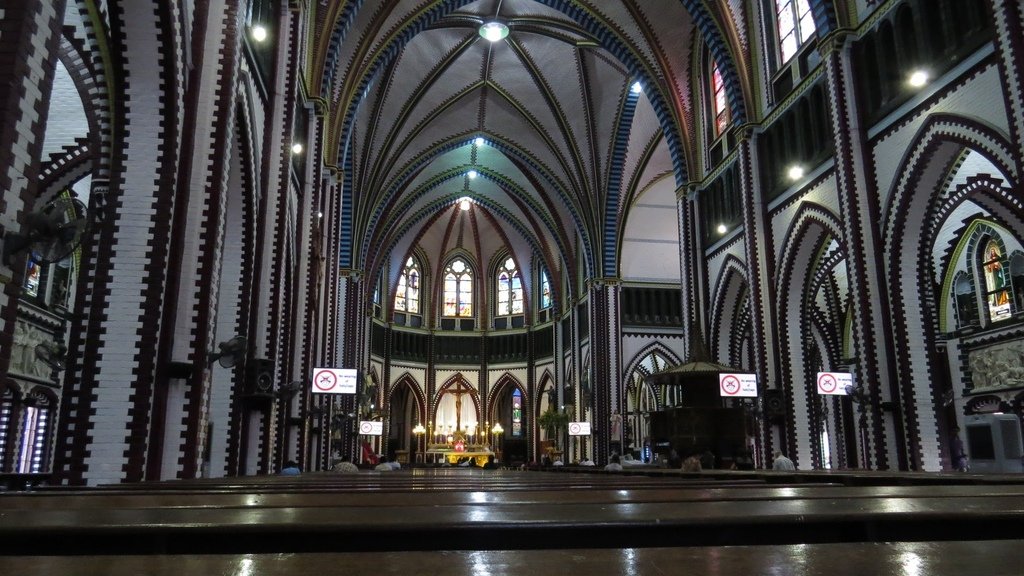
991	558
462	522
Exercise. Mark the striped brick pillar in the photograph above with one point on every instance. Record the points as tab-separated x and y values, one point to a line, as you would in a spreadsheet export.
761	272
875	367
194	270
29	42
605	359
691	270
1008	17
111	401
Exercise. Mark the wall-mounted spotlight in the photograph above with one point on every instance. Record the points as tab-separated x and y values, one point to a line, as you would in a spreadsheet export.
722	229
259	33
795	172
297	148
472	174
479	141
637	87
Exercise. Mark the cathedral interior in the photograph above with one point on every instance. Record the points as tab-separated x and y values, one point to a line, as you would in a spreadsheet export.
502	222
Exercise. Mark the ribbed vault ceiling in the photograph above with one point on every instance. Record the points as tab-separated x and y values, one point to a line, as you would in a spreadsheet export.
567	146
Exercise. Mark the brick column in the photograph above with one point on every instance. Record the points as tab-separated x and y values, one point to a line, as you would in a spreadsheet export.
859	208
1008	17
29	42
605	359
761	274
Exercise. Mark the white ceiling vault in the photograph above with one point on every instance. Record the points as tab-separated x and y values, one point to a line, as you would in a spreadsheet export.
560	144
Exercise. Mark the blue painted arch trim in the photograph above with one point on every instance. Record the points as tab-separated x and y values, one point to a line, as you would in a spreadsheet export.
605	37
399	184
719	48
610	232
825	17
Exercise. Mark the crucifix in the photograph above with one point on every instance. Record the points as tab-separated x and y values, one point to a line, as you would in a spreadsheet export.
458	389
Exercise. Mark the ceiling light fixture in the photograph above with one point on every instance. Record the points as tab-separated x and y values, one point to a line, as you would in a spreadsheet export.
297	148
472	174
637	87
796	172
918	78
493	31
259	33
464	204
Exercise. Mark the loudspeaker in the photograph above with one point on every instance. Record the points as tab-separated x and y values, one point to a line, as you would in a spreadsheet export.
259	377
774	405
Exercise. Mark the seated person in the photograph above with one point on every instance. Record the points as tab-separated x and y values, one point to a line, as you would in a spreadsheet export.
586	462
384	465
395	464
490	464
613	464
465	462
290	469
691	464
346	467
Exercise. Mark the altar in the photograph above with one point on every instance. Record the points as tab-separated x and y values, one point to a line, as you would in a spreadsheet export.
442	453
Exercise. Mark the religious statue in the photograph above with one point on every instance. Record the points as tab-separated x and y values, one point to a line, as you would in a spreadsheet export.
615	426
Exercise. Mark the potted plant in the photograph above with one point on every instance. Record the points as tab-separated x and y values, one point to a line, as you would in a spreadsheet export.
552	421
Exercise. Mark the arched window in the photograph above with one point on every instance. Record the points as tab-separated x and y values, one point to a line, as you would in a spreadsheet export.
35	430
545	290
719	104
458	289
407	297
517	413
795	25
6	412
510	289
996	273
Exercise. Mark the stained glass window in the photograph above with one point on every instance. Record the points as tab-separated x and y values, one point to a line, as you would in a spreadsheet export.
720	105
997	282
510	289
517	412
407	297
545	291
458	289
795	25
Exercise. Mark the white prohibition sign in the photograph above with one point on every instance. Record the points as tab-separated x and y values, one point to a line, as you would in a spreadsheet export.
827	383
365	428
574	428
325	380
730	385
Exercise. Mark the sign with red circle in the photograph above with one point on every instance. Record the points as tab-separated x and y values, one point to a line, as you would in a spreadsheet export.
737	385
335	380
371	428
834	383
579	428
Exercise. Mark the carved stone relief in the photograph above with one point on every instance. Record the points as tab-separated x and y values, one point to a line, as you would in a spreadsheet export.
999	366
23	354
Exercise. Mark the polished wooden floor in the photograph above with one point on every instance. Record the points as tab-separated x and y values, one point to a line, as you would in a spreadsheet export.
452	521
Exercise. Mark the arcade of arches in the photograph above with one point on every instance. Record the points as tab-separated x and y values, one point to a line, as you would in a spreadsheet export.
206	200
